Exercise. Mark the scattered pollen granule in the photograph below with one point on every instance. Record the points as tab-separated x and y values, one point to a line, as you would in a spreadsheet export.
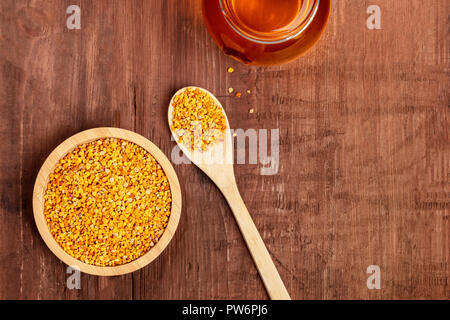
238	94
107	202
230	90
198	121
230	70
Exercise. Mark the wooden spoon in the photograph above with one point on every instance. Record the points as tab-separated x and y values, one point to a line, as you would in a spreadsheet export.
217	163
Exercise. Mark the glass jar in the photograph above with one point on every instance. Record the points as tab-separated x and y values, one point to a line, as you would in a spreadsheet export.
266	32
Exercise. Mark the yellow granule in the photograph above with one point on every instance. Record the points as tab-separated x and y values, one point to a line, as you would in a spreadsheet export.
198	121
107	202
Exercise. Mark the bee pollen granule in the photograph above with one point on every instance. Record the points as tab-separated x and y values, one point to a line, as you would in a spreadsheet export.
107	202
198	121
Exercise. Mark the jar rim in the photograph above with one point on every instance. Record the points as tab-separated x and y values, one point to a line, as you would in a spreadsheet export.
294	33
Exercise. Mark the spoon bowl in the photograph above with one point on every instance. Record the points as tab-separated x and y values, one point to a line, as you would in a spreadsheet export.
219	155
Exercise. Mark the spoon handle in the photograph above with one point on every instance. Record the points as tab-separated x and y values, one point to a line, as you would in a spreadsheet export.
266	268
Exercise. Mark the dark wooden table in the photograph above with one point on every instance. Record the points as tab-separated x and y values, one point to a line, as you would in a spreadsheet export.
363	119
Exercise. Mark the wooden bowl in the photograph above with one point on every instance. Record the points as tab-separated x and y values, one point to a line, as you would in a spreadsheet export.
49	166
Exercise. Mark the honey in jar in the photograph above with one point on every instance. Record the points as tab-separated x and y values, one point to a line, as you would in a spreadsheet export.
265	32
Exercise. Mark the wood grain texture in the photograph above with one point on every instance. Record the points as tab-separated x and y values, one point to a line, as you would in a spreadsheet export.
364	165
